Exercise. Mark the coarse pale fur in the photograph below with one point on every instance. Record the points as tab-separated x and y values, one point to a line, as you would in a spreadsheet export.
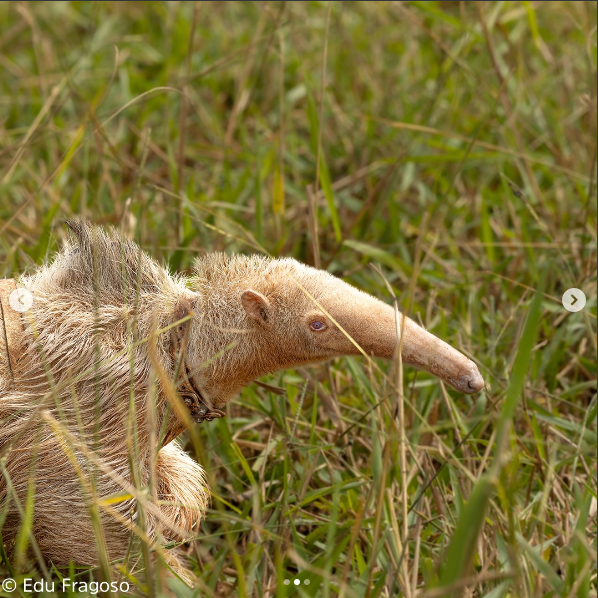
86	418
100	295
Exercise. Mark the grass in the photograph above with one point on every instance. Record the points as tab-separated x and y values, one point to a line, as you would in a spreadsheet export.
452	144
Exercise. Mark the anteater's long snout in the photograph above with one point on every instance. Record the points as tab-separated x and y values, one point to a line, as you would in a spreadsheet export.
428	352
373	326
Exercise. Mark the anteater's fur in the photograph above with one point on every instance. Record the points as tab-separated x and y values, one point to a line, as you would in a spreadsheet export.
99	296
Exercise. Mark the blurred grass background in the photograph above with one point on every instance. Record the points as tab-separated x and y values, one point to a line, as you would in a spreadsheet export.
451	143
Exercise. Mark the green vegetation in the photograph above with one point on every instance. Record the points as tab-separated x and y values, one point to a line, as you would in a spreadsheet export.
453	144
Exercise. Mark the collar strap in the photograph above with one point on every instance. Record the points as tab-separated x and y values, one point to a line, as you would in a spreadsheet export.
11	330
198	407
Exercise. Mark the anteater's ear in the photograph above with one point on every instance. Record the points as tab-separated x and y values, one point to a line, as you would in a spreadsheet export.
256	306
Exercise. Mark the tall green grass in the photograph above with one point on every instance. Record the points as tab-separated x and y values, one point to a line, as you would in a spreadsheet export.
452	144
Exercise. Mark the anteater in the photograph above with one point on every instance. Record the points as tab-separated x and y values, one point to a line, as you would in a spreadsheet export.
109	330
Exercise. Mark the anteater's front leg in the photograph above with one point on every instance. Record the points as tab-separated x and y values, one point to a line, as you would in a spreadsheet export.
182	493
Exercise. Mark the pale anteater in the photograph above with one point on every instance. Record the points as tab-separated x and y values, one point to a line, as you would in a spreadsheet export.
108	330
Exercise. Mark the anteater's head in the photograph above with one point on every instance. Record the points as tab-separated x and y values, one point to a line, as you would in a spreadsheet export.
273	314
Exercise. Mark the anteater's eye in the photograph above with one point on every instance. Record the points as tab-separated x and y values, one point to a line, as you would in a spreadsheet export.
317	326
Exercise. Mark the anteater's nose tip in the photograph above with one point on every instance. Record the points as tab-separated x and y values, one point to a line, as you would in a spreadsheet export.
474	386
474	381
470	380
